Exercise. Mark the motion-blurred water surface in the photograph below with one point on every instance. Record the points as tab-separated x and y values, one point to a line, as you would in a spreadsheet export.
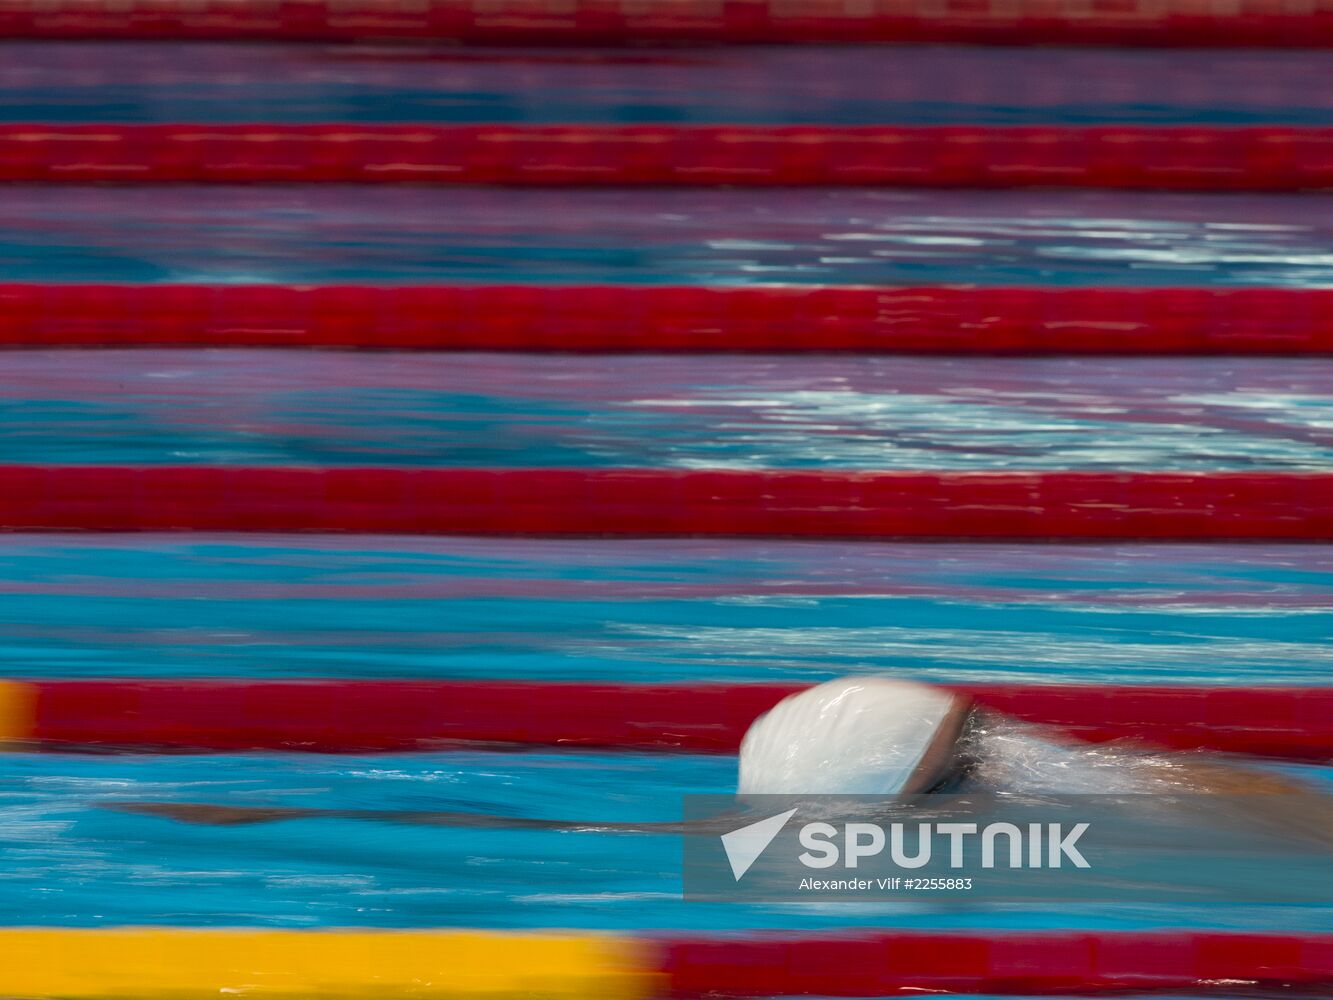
745	412
403	234
127	82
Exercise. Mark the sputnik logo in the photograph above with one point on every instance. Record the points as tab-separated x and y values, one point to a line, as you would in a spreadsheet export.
744	846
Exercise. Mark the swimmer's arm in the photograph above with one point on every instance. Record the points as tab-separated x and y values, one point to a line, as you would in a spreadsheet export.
1219	778
1280	805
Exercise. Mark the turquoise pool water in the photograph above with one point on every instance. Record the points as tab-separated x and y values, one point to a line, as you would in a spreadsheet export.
81	605
70	862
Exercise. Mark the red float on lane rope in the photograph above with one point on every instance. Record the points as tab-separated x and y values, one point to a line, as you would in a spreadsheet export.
1030	963
603	318
670	502
327	715
611	22
1200	158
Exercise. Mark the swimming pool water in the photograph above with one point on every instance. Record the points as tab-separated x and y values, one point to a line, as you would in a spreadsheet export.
90	605
70	861
400	235
184	82
742	412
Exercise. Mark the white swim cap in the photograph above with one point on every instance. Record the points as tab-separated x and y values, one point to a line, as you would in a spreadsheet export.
854	736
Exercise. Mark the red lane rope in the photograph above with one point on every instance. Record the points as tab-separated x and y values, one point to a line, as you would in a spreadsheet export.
1206	158
959	319
1294	723
652	502
1102	22
1030	963
670	502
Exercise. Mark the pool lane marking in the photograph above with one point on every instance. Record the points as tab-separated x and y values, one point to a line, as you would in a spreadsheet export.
158	963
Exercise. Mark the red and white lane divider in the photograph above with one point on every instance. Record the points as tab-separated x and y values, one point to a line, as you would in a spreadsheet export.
619	318
371	715
1274	505
1141	157
611	22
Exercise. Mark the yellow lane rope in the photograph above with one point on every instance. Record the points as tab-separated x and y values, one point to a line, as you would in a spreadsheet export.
154	963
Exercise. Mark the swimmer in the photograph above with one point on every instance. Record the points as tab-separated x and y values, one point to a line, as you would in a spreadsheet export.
887	737
883	736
